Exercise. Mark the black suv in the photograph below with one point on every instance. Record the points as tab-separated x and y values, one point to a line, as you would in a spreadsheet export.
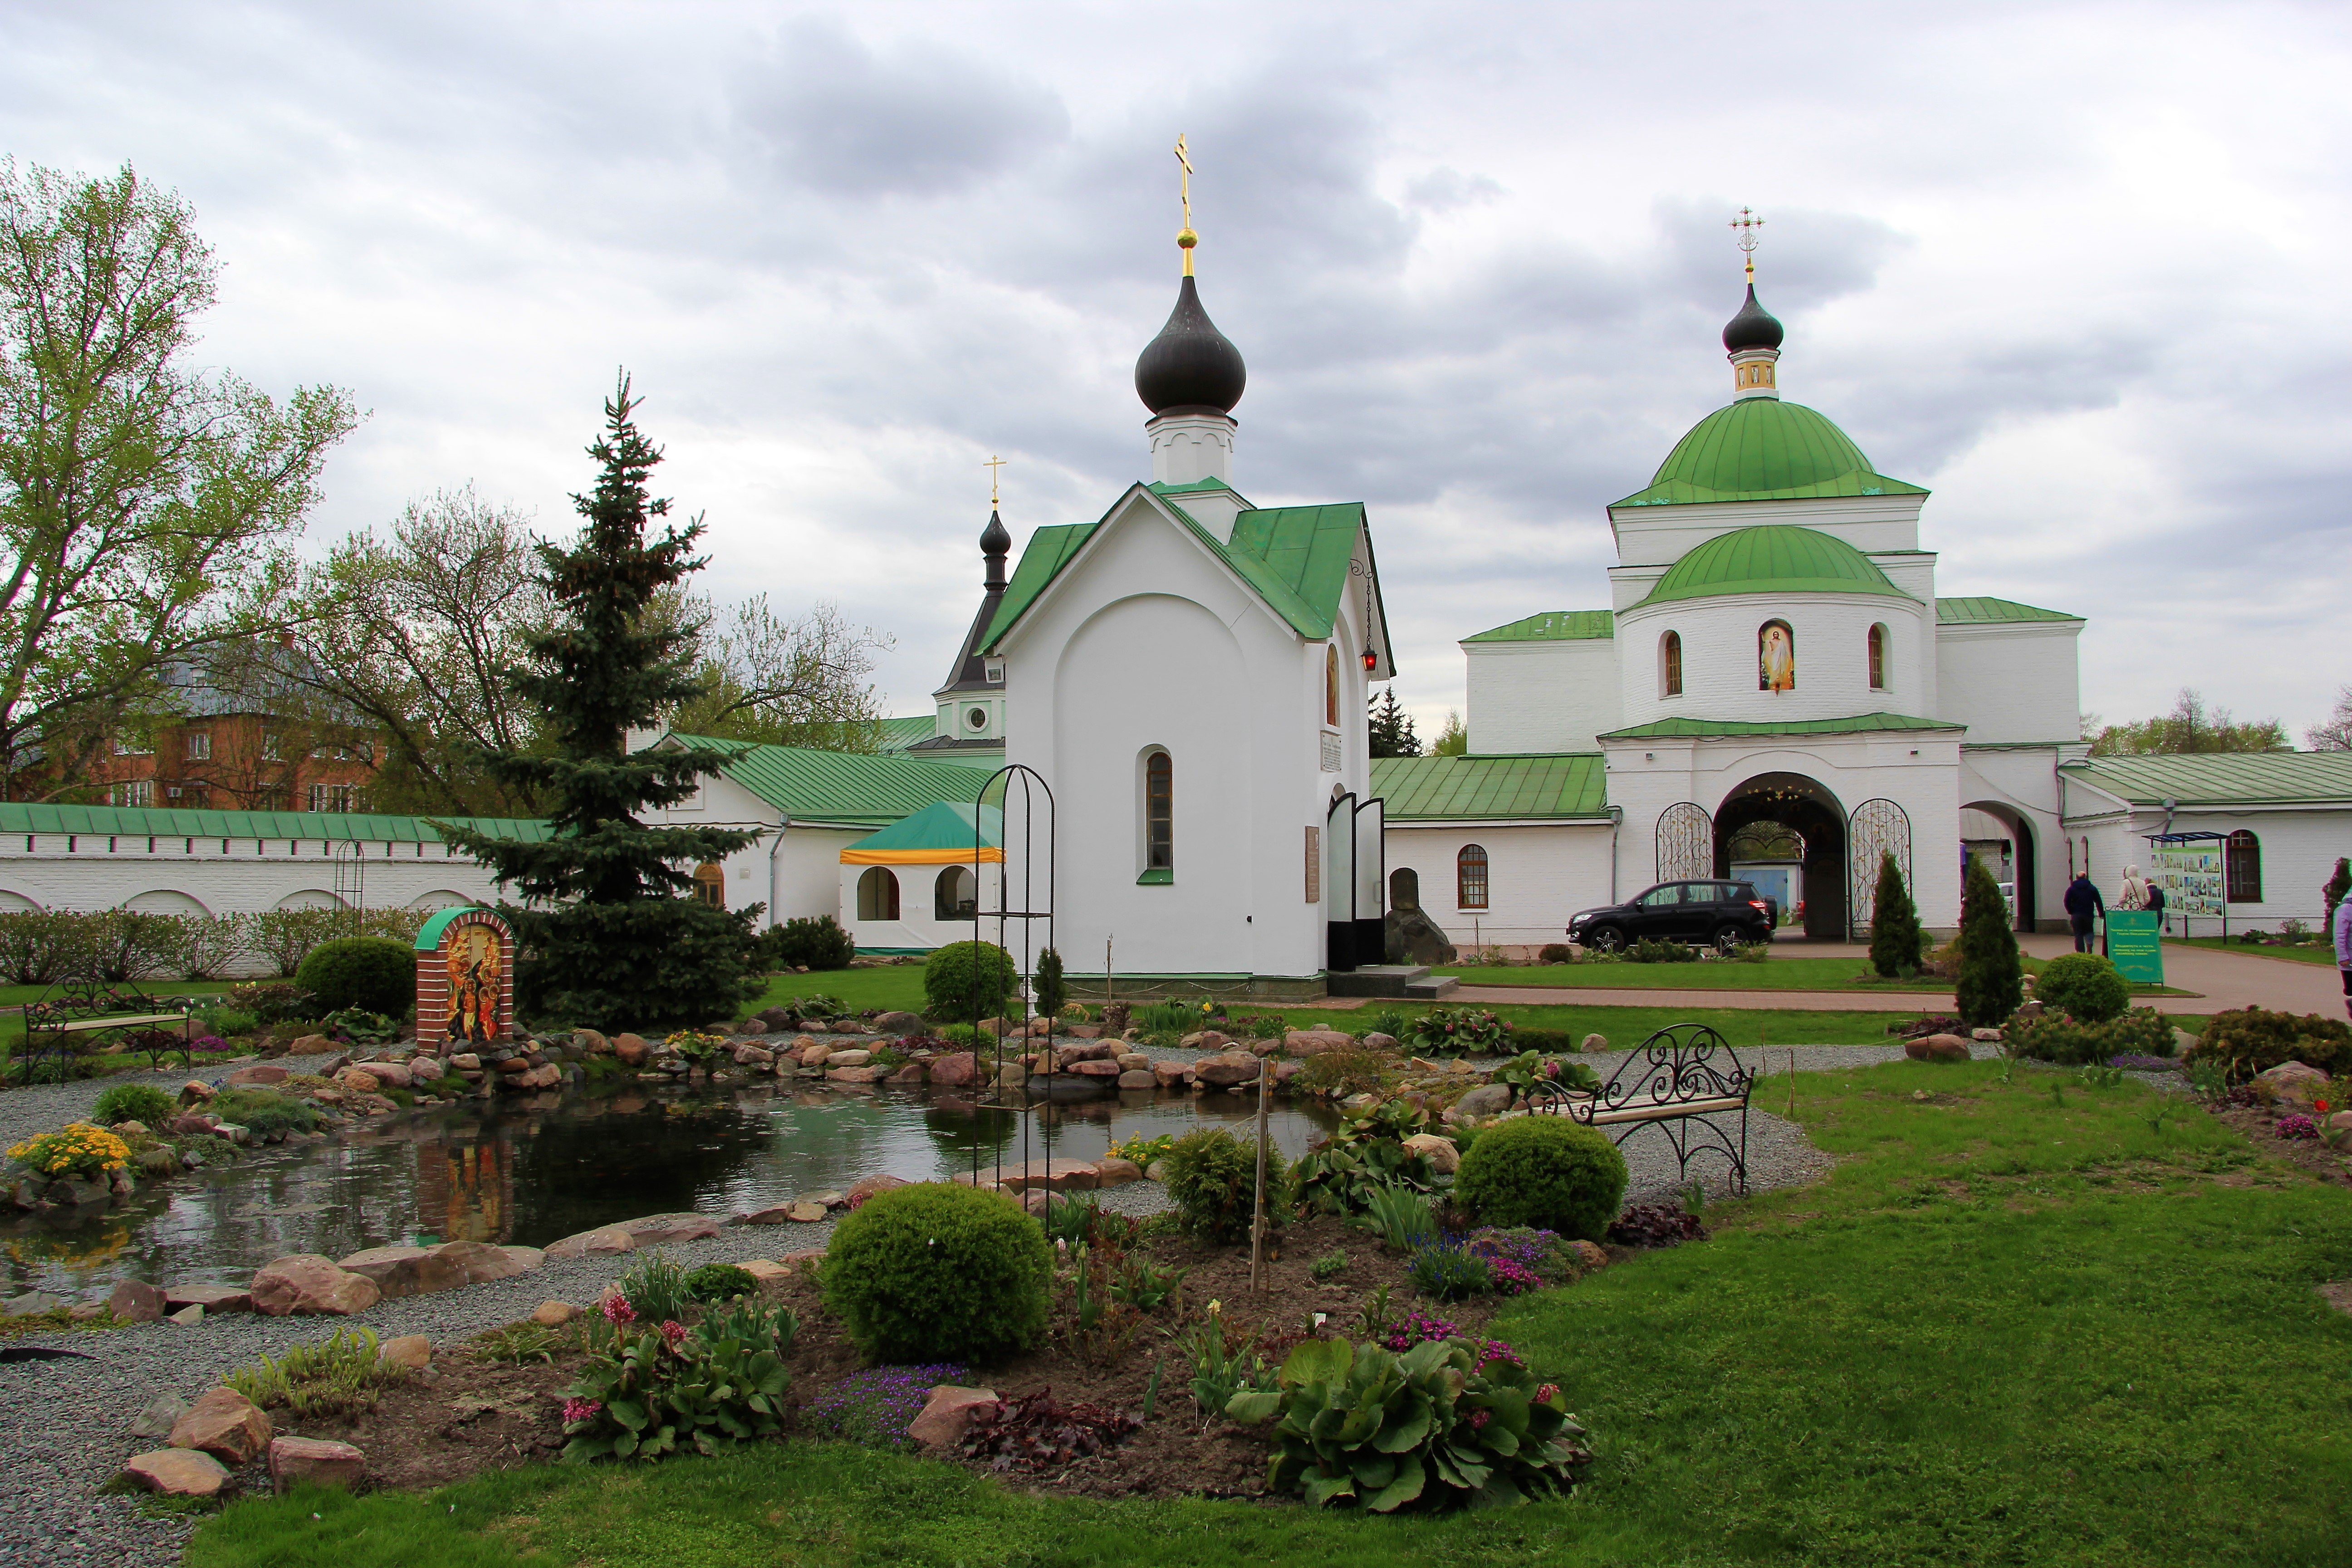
1721	914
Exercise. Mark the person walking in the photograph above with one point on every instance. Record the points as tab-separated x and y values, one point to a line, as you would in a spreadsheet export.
2155	905
2343	932
2083	906
2135	891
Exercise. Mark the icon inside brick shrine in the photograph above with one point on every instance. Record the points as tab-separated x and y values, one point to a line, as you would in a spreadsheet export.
465	984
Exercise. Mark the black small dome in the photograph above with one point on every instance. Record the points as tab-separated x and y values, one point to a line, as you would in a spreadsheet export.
1754	328
993	539
1190	365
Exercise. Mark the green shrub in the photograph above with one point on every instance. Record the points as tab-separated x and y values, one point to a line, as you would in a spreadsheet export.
1366	1153
655	1287
1543	1171
816	942
133	1102
720	1282
657	1392
230	1022
1363	1424
1896	938
1399	1216
360	971
1458	1031
1659	950
263	1111
1212	1181
965	982
1550	1042
937	1272
2084	986
962	1037
1557	953
1351	1069
341	1377
274	1001
1991	981
2246	1040
1166	1018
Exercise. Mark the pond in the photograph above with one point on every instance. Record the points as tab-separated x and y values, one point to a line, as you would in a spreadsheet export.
532	1170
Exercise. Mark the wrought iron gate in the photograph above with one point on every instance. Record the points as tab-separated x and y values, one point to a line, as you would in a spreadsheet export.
1025	901
1686	843
1876	829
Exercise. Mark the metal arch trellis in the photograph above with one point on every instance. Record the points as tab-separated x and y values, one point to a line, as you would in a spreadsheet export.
1686	843
1877	828
350	881
1025	910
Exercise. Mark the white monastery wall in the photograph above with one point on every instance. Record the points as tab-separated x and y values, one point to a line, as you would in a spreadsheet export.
2024	780
2299	850
1541	696
1720	657
1537	876
1661	535
918	925
2012	682
102	871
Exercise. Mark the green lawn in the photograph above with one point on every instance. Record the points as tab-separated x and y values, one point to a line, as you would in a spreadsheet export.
2011	1328
1775	974
2316	953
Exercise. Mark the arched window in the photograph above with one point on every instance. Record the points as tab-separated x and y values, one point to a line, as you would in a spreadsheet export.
1670	665
1878	658
1470	877
955	895
1332	686
1776	656
2241	868
1404	889
878	894
1159	812
710	884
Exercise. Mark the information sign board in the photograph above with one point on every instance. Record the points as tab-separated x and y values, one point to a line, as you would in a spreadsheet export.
2135	945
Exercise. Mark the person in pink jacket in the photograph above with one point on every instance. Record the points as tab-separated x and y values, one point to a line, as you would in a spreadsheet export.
2344	949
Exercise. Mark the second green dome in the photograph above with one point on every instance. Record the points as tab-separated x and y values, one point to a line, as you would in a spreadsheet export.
1776	558
1762	449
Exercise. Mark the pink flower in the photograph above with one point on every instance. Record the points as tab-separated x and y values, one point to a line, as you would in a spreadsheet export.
673	1333
618	1312
580	1410
1545	1393
1479	1418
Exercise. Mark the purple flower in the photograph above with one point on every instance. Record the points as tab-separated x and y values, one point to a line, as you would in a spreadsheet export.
618	1312
1546	1393
1479	1418
580	1410
673	1333
2297	1126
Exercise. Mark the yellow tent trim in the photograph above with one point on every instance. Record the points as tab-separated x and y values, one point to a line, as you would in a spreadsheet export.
856	857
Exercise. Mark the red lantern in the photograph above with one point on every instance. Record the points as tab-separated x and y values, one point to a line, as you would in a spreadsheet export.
1371	659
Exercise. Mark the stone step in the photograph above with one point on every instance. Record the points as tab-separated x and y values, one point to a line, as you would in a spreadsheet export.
1430	987
1375	980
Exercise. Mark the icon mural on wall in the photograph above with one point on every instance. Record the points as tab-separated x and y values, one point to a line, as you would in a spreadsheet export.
1776	657
464	979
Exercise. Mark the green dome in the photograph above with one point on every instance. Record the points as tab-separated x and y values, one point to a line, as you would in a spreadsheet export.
1761	448
1777	558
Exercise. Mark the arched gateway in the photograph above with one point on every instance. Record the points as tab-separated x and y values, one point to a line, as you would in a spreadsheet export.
1810	811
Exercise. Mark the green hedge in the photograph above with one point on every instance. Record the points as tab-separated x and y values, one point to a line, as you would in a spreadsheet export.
1543	1171
935	1272
364	972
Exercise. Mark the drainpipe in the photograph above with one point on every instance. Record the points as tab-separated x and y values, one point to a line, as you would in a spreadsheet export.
773	893
1616	821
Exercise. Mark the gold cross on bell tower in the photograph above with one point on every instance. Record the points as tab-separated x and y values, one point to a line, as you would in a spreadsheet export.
1748	223
993	465
1185	239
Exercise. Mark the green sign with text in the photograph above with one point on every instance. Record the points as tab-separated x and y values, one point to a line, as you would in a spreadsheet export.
2135	944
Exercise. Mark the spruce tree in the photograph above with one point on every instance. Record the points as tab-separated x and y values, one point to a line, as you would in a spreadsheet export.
1895	934
1993	976
610	934
1391	729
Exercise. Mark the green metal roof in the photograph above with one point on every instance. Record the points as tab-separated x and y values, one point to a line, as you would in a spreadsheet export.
137	821
852	789
945	825
2221	778
1435	789
897	735
1986	612
1761	449
428	935
1294	557
1708	729
1776	558
1555	626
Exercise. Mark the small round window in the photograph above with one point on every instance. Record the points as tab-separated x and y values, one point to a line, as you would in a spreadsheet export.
975	718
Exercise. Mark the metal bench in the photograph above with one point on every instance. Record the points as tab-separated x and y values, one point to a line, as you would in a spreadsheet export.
1682	1078
86	1005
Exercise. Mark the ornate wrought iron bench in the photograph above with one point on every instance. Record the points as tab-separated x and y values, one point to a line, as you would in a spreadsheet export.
85	1004
1683	1079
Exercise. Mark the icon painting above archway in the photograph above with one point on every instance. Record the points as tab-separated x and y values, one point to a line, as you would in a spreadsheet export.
464	979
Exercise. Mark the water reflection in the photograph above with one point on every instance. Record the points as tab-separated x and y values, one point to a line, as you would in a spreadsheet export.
533	1169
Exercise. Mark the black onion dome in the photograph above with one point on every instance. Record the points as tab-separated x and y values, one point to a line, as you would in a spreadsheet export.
1754	328
1190	365
993	539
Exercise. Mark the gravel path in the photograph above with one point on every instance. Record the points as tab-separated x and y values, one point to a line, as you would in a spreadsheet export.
46	1107
64	1425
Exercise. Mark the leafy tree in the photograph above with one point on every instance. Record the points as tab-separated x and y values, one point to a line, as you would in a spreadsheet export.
1894	932
805	680
1453	741
612	932
145	506
1992	975
2335	735
1391	729
2191	727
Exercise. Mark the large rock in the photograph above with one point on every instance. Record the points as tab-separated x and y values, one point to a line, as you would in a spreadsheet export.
478	1262
856	1074
631	1049
1409	936
747	1055
848	1058
667	1229
314	1461
175	1472
1937	1048
359	1081
306	1282
390	1075
211	1298
411	1352
404	1270
1594	1043
158	1416
955	1070
193	1123
2295	1081
552	1314
1110	1171
601	1242
899	1023
865	1187
1055	1175
1441	1151
947	1413
224	1424
260	1075
1224	1072
1487	1100
910	1073
1138	1077
136	1301
1095	1070
1311	1042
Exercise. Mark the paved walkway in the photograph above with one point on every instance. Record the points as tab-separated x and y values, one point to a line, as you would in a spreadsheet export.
2220	981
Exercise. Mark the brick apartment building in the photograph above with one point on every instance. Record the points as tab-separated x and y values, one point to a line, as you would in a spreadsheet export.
255	742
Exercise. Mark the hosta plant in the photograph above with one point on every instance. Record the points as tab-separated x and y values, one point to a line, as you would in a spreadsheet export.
1367	1154
1458	1031
662	1389
1435	1427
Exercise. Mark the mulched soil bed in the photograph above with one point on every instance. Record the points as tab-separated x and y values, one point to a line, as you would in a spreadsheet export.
2310	1155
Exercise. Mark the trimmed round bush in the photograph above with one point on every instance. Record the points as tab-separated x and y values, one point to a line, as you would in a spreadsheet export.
2247	1040
133	1102
360	971
933	1271
1212	1181
2084	986
1545	1171
965	982
720	1282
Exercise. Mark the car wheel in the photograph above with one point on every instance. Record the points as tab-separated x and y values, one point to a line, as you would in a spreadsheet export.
1606	939
1727	939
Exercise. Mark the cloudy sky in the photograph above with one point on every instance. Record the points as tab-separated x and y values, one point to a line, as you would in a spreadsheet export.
2081	270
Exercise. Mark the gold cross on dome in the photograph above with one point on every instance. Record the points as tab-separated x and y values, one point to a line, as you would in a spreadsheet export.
1184	180
1748	223
993	465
